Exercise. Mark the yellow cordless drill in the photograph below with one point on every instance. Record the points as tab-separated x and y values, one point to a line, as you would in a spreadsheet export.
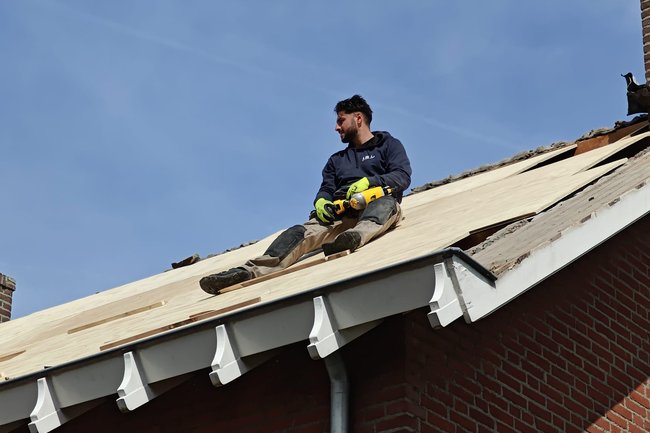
360	200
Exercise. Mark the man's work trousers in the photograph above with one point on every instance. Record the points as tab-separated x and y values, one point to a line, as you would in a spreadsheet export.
379	216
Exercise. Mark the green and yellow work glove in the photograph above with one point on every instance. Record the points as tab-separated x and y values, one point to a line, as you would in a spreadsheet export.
324	211
358	186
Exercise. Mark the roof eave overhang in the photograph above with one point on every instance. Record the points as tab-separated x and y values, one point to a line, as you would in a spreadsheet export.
481	298
328	317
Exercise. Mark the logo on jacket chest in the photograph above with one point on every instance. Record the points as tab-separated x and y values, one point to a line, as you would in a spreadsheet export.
367	157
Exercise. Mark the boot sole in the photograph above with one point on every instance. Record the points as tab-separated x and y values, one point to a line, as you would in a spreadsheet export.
345	241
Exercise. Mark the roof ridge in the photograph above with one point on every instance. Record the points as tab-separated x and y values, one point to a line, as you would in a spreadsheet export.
526	154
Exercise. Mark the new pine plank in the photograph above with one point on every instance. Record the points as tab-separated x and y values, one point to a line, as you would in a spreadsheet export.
116	317
8	356
191	319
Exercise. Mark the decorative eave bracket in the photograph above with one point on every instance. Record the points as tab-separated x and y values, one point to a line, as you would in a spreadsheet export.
134	391
48	415
448	302
227	364
325	336
444	304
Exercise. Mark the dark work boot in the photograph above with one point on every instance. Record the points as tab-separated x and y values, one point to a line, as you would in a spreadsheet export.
186	262
215	282
345	241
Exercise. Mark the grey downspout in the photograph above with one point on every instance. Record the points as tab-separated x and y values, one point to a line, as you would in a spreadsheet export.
340	392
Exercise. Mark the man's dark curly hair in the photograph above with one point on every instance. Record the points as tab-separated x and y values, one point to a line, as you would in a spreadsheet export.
353	105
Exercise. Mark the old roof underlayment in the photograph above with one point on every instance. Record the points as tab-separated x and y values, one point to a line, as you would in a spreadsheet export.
467	246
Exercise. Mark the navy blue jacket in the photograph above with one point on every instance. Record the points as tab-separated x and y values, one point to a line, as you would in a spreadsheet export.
382	160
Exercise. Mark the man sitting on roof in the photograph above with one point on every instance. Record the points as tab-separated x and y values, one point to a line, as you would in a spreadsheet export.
371	159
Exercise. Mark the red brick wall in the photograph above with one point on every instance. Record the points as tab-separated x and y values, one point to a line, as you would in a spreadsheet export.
7	287
571	355
645	26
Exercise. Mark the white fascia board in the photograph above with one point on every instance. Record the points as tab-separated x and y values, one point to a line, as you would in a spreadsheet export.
344	315
481	298
87	381
79	384
280	325
404	288
17	401
173	357
352	309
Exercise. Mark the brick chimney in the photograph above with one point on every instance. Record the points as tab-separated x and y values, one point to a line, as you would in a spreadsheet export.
7	287
645	28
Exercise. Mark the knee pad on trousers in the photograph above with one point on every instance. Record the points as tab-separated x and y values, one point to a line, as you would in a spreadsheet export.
380	210
286	242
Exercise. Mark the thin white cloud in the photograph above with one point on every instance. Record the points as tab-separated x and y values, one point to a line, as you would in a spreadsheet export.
297	78
457	130
155	39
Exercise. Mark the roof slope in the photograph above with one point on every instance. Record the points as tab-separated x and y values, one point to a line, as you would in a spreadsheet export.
509	247
434	220
97	330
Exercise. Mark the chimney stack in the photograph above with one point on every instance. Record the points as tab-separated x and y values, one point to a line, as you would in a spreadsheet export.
7	287
645	28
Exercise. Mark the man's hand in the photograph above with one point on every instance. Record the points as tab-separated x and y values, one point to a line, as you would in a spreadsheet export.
323	210
358	186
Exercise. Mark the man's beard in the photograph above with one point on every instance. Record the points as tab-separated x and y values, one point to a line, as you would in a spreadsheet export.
349	135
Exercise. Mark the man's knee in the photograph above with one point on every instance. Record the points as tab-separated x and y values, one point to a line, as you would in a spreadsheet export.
380	210
286	242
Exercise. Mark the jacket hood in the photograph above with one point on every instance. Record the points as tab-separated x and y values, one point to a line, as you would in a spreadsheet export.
381	137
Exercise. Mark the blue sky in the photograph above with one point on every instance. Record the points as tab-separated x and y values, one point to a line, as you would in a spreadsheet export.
135	133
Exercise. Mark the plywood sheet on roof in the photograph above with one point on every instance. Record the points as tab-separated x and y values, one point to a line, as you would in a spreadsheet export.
429	226
407	241
571	165
484	178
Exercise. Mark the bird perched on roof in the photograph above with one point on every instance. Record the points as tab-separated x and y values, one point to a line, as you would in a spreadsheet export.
632	85
638	95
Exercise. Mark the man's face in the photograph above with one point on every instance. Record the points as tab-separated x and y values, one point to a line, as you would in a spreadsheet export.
347	125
